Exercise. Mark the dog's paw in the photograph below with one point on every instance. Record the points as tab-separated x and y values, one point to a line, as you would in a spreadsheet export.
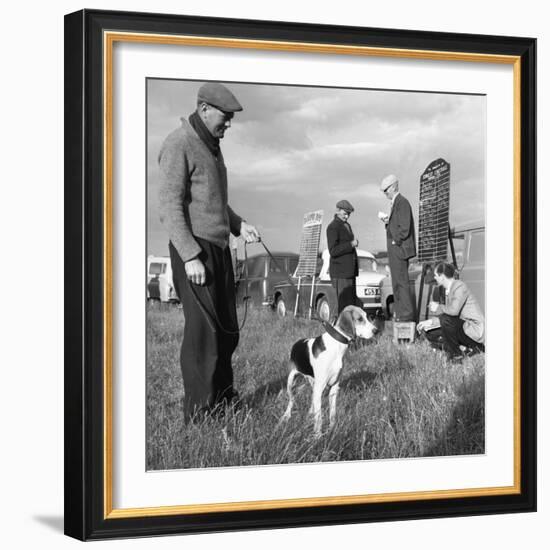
285	418
317	430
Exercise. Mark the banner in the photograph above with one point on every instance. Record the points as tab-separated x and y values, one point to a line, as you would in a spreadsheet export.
309	245
433	212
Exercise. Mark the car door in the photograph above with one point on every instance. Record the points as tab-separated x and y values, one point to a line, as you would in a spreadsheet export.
257	274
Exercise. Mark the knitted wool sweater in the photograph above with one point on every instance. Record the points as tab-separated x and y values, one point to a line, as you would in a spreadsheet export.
193	193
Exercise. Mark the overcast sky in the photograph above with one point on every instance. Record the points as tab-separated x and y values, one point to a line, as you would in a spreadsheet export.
294	149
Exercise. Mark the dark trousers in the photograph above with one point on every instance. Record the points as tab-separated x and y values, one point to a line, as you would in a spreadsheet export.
451	335
403	306
346	291
207	347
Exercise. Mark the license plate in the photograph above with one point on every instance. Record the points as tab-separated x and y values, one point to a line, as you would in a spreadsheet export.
370	291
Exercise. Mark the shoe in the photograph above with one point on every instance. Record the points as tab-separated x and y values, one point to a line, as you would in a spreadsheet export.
470	352
454	359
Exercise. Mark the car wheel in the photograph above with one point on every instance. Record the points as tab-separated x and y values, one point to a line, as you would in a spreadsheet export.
280	307
323	309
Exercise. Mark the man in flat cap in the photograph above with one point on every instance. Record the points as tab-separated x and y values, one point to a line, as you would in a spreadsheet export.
343	267
401	245
193	203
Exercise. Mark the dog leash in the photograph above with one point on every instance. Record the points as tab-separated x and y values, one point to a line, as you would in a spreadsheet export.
213	319
328	327
277	263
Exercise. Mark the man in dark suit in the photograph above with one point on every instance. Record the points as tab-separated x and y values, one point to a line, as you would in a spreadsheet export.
343	267
401	245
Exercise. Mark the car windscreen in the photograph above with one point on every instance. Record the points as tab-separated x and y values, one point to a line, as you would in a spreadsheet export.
256	267
277	265
157	268
367	264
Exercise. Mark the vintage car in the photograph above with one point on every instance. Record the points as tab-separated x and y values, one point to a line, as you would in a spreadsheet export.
469	246
160	285
321	296
257	276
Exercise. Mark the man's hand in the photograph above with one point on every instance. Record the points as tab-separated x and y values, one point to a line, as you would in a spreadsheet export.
249	233
195	271
355	243
433	306
385	218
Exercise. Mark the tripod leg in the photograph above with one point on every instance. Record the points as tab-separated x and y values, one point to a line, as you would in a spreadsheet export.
420	292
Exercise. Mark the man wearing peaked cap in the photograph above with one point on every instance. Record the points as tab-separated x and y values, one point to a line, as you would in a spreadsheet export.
195	212
345	205
343	266
219	96
400	240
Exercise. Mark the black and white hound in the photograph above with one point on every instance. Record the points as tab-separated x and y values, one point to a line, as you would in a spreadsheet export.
320	360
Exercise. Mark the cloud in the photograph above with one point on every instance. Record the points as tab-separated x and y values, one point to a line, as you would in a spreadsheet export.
295	149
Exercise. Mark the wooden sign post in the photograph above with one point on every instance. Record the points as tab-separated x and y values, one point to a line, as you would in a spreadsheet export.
433	221
309	250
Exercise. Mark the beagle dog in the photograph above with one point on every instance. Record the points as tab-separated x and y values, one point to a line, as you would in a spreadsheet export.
319	360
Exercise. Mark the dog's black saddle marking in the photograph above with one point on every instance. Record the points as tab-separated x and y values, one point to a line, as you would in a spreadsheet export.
299	355
318	346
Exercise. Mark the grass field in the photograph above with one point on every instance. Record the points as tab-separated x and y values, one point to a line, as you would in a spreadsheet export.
395	401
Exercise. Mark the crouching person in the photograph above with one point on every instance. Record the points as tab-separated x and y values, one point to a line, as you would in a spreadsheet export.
459	321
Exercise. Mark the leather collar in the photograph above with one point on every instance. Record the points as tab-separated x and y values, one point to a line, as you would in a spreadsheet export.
336	334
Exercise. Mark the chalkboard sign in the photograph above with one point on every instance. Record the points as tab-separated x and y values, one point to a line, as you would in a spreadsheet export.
309	246
433	216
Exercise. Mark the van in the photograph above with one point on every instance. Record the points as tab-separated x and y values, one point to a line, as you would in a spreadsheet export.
160	285
469	244
469	248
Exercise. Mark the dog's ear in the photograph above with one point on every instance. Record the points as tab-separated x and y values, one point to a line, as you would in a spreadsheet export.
346	323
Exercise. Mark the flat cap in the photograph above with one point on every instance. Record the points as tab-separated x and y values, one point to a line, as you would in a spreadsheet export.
219	96
387	181
345	205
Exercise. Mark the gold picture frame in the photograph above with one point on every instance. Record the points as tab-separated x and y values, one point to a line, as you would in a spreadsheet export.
90	39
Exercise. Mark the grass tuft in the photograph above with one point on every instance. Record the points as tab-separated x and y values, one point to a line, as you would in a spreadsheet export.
395	401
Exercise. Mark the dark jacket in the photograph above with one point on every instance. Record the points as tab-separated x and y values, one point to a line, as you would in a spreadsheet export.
343	257
400	228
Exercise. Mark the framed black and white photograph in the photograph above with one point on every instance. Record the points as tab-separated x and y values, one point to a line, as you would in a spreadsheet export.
296	149
306	290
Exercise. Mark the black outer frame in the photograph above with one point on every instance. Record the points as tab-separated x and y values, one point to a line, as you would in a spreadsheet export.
84	490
